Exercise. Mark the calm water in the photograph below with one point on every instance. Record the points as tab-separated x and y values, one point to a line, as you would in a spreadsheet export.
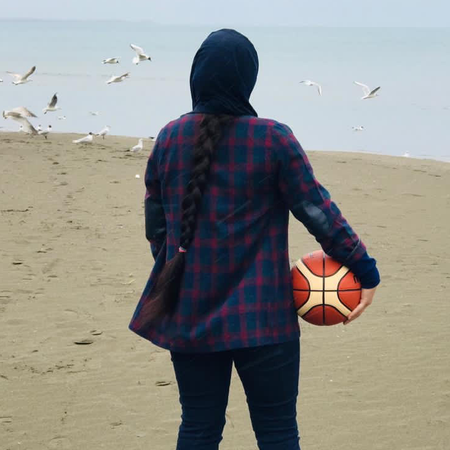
411	114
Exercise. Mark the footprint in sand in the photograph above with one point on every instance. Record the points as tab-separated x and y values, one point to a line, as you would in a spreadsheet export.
60	442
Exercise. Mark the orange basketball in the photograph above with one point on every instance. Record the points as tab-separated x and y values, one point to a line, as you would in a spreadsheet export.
325	291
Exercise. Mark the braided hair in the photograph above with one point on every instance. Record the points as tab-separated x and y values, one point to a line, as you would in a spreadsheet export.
164	296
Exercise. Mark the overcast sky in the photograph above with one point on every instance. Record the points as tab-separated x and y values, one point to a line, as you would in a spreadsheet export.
241	12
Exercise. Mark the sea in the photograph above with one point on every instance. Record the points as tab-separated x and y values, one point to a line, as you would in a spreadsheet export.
410	116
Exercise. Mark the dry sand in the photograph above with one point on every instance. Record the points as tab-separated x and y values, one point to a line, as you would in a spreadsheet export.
73	259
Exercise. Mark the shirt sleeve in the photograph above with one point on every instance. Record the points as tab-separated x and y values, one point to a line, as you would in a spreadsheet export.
311	204
155	221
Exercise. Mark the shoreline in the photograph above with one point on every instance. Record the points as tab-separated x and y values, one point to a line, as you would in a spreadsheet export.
308	151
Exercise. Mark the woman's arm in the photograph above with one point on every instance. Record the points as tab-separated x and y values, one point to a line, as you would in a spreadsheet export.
311	204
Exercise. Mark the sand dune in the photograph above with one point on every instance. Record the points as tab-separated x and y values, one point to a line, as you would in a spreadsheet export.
73	260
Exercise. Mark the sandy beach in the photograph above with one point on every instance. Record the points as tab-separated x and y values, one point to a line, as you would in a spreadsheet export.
73	262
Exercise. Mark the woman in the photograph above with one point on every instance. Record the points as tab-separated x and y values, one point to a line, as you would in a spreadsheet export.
220	184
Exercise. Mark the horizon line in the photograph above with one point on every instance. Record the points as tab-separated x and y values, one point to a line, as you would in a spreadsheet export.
156	23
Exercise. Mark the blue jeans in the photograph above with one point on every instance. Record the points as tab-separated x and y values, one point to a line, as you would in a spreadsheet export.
270	376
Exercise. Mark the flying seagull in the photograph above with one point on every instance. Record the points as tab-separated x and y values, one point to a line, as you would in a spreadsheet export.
118	79
18	112
52	105
138	147
368	93
104	132
22	79
94	113
140	54
111	61
314	84
360	128
85	140
26	126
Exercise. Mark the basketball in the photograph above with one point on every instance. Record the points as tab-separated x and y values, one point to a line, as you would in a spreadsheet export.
325	291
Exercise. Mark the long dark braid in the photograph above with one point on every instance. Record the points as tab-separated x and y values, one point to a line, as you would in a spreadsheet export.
164	297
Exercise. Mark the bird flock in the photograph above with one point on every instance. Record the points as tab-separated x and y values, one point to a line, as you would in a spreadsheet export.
22	115
367	94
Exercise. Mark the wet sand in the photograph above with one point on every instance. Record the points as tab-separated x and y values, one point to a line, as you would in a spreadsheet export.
73	262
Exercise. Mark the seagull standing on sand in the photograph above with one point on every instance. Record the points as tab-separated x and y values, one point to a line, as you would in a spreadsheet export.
52	105
104	132
22	79
85	140
118	79
138	147
368	93
46	132
140	54
314	84
111	61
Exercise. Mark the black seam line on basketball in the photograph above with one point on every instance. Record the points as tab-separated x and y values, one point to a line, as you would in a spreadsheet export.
323	288
309	287
300	272
327	290
329	306
343	276
333	274
307	268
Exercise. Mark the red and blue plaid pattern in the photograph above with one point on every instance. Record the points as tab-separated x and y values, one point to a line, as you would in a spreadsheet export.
236	290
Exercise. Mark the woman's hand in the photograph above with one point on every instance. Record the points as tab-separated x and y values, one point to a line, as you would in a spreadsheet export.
366	300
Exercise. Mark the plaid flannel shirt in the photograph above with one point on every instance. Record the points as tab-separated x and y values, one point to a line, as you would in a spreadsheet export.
236	290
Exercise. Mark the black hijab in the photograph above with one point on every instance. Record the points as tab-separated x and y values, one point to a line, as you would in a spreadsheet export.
224	74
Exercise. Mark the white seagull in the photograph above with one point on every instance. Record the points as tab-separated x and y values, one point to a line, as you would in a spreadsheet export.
1	81
104	132
368	93
94	113
140	54
118	79
111	61
138	147
22	79
52	105
85	140
314	84
46	132
62	118
360	128
18	112
26	126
